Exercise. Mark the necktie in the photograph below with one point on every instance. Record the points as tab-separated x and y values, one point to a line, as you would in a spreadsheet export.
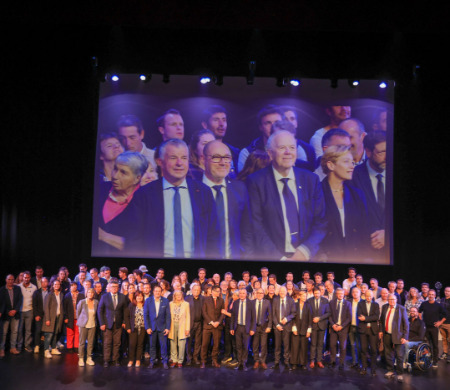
291	213
368	312
387	321
220	205
178	229
241	310
283	309
259	312
317	306
380	191
301	311
339	312
115	301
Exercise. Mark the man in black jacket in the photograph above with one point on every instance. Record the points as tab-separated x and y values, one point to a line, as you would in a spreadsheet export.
416	331
38	311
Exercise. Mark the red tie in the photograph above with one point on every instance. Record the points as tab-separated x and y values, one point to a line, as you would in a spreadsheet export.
387	320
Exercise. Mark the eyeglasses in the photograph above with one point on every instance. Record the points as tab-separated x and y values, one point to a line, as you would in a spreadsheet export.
217	158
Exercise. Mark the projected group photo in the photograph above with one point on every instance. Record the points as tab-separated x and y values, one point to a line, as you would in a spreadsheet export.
238	172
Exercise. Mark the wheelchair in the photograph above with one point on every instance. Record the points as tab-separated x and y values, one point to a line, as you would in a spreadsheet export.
420	357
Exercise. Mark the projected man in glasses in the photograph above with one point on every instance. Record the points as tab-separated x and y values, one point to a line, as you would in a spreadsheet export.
175	216
236	239
287	204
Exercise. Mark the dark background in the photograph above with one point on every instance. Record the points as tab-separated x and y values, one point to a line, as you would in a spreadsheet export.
50	109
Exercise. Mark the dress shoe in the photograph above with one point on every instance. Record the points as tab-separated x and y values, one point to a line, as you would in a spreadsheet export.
288	367
320	365
105	364
264	366
374	373
237	367
363	371
180	365
341	367
197	362
303	367
188	362
172	365
355	365
389	375
400	378
332	365
276	366
256	365
151	364
311	365
165	366
14	351
245	368
215	364
202	365
116	363
28	349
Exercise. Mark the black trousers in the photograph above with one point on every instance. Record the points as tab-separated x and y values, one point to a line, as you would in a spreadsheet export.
317	336
431	334
229	342
206	339
242	339
136	344
299	349
260	340
369	341
196	337
282	337
112	338
340	336
390	350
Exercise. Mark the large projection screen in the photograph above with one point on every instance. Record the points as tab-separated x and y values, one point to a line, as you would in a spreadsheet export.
115	232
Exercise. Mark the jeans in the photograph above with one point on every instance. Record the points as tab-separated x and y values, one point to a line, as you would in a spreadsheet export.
7	323
26	321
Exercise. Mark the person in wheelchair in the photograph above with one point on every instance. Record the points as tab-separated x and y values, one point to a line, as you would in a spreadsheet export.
416	333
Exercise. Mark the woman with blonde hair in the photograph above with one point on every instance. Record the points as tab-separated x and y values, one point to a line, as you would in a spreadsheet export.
180	327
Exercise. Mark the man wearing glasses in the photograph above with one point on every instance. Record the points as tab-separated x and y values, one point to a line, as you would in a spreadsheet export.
236	237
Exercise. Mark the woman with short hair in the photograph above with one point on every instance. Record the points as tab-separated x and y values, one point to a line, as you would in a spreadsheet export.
180	327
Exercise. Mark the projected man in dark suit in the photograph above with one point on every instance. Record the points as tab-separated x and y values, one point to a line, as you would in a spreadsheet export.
394	332
175	216
111	317
370	177
233	211
287	204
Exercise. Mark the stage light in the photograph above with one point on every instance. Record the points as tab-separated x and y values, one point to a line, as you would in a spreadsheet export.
382	84
295	82
115	77
205	79
353	83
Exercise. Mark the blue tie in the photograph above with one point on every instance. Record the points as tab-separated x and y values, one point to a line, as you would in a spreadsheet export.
178	228
242	313
291	212
220	204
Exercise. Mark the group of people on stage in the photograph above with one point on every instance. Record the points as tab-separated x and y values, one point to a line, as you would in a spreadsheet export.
140	316
278	198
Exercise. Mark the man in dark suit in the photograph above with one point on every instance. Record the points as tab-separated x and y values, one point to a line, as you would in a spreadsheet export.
340	318
320	314
195	306
263	312
111	317
212	325
243	325
370	178
288	208
38	311
368	314
37	279
157	321
394	332
233	210
10	304
174	216
283	313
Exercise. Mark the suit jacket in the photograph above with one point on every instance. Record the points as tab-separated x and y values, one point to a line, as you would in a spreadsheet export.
69	313
346	313
250	316
38	303
211	313
190	299
267	214
83	313
289	314
400	324
323	313
107	315
5	302
266	313
361	180
146	233
356	243
371	318
158	322
50	310
310	163
34	281
304	323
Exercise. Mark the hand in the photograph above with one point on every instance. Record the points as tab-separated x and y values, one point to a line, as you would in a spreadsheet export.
252	333
223	311
308	334
298	256
12	313
295	332
215	324
437	324
361	318
335	327
103	327
66	321
166	332
232	332
149	331
316	320
123	326
128	331
47	323
380	335
403	341
377	239
279	327
186	333
283	321
37	318
268	330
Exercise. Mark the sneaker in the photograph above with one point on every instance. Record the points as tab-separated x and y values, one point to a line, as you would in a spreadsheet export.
434	365
47	354
389	374
59	345
400	378
55	351
36	349
90	362
81	362
443	356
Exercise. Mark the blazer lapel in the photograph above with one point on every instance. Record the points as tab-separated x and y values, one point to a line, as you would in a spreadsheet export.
195	201
274	196
232	206
300	197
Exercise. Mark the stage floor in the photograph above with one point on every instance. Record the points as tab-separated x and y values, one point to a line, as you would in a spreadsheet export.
62	372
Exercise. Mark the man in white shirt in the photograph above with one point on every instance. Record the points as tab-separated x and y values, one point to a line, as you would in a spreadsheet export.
348	283
26	313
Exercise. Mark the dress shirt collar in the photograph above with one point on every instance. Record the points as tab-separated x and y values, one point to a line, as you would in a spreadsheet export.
167	185
210	183
373	173
278	176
